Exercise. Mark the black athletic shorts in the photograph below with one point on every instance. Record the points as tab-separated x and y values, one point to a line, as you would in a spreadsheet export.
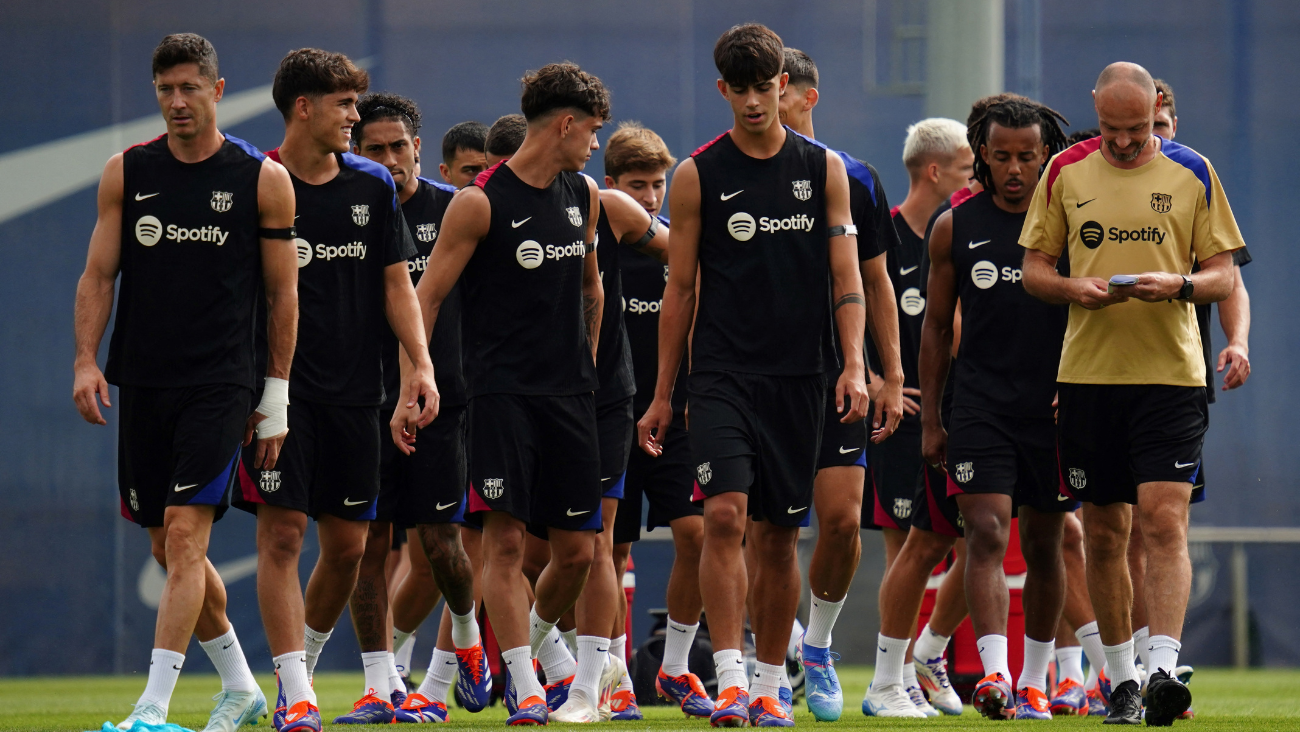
617	429
178	447
537	458
329	464
842	444
758	435
428	486
895	467
933	509
1114	437
666	482
995	453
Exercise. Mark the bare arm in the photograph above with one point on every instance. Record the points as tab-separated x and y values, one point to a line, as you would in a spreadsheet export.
850	307
1213	283
882	320
1234	316
593	292
936	340
1045	283
95	294
678	312
630	223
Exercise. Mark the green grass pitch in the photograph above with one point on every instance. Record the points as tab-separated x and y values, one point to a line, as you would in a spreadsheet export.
1241	701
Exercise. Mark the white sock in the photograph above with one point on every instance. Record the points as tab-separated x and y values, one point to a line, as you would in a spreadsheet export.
1090	638
730	667
678	640
441	675
1034	672
1069	662
821	620
593	654
394	677
164	670
1141	644
228	657
890	656
618	649
909	675
314	641
571	640
993	653
785	681
1119	663
555	658
464	630
292	669
767	681
1164	654
403	646
520	662
376	667
929	646
538	629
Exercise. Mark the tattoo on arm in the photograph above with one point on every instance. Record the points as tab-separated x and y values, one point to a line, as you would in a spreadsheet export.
850	299
589	313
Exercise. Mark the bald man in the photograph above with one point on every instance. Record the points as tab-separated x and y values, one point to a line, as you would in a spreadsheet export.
1135	213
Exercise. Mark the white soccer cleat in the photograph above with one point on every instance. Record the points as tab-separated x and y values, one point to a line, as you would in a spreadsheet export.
577	710
236	709
889	701
610	679
933	676
147	713
918	700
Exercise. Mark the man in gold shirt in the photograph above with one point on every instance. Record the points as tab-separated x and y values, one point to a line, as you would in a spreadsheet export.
1132	208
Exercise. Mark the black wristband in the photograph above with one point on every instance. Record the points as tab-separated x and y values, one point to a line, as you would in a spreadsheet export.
834	231
289	233
648	235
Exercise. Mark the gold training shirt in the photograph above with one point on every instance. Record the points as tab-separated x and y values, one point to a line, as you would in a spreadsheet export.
1160	217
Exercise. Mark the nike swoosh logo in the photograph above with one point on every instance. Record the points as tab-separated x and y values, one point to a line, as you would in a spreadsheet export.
882	650
795	510
231	644
178	668
907	270
1085	203
851	449
974	244
180	488
441	507
516	224
1182	465
729	196
1062	497
139	197
571	512
350	502
605	480
680	630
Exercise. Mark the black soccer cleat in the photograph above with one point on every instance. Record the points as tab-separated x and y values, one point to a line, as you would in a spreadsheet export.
1125	704
1167	698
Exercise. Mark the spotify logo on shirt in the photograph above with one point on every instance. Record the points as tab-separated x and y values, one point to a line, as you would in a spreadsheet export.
741	226
529	255
984	274
911	302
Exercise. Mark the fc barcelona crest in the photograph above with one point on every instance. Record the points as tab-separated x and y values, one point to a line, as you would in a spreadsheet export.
361	215
963	472
1161	202
1078	480
902	507
803	190
426	232
222	201
575	215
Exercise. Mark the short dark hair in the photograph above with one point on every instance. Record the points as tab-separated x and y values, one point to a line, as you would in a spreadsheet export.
311	72
748	54
800	67
1163	87
634	148
186	48
380	106
471	135
563	86
1015	113
1079	136
506	135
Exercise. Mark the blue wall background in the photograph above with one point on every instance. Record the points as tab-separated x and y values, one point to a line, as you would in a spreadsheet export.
71	568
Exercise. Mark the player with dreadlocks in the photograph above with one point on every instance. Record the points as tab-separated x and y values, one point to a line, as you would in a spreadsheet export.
1001	454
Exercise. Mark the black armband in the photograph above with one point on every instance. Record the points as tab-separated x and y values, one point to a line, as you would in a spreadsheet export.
289	233
834	231
641	243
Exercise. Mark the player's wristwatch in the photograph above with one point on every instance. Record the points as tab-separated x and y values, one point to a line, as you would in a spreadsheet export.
1185	292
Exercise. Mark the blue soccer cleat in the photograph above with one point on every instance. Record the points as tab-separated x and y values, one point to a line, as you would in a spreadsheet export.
825	698
1032	704
786	697
281	705
369	709
765	711
301	717
623	707
993	697
686	691
731	709
1069	700
419	709
474	682
532	711
558	693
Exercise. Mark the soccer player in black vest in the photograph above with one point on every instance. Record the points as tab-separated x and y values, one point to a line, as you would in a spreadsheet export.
353	249
764	215
1000	448
425	488
524	238
196	222
841	466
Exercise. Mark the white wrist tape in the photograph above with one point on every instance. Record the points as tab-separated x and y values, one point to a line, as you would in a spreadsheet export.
275	407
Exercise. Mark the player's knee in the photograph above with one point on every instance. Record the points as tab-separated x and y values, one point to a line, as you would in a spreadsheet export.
441	544
1164	527
726	522
574	559
183	544
1072	535
1105	541
985	534
841	531
343	554
159	550
281	543
621	553
928	551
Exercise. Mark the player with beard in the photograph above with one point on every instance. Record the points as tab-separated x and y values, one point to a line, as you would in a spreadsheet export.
1131	432
841	467
524	237
352	276
425	486
182	352
764	215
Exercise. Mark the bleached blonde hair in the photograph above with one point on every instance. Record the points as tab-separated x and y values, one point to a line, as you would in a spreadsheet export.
936	138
